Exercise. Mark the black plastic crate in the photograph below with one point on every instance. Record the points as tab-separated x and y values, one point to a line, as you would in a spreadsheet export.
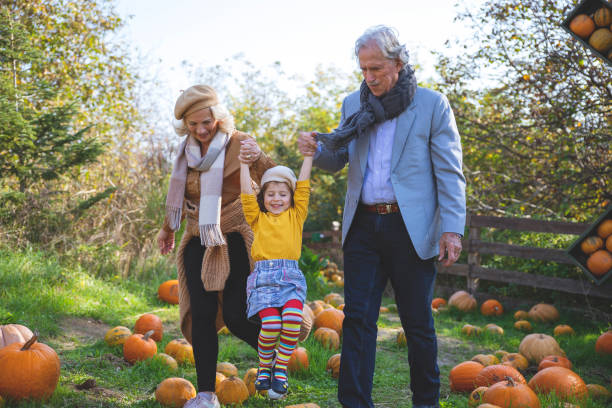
587	7
580	258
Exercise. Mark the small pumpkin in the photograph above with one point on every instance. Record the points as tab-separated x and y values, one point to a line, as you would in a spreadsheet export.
249	380
563	330
494	329
603	345
601	40
554	361
333	299
384	309
536	346
604	230
516	360
462	300
471	330
401	338
491	307
117	335
150	321
298	360
14	333
560	380
437	302
316	306
168	291
139	347
232	391
305	405
523	325
219	378
543	312
328	338
500	354
591	244
330	318
486	359
521	315
333	365
462	377
476	396
582	25
227	369
181	350
609	239
598	392
168	360
485	405
174	392
496	373
28	370
599	262
602	17
510	393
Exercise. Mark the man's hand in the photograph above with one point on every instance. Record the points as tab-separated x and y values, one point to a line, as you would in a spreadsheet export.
450	246
307	143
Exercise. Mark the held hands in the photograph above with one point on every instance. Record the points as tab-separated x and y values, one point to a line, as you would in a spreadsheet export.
307	144
450	245
165	241
249	151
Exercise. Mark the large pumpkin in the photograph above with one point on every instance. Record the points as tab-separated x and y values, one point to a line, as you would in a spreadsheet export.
554	361
582	25
149	321
536	346
333	365
331	318
599	262
117	335
591	244
169	291
232	391
462	377
298	360
544	312
602	17
174	392
496	373
181	350
462	301
328	338
14	333
605	229
601	39
510	394
603	345
139	347
28	370
491	307
560	380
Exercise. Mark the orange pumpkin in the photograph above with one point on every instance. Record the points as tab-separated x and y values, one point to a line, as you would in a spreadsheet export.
333	299
28	370
117	335
168	360
536	346
602	17
149	321
401	338
476	396
597	391
174	392
181	350
462	301
305	405
232	391
139	347
494	329
219	378
554	361
582	25
486	359
462	377
169	291
516	360
437	302
317	306
563	381
14	333
471	330
523	325
521	315
298	360
227	369
249	380
601	40
509	393
544	312
327	337
604	230
600	262
496	373
609	239
563	330
333	365
603	345
491	307
591	244
330	318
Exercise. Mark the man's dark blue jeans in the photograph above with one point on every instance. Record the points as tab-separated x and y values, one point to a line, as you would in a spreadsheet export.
378	248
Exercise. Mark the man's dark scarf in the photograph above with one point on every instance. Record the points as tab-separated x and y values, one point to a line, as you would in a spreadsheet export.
373	110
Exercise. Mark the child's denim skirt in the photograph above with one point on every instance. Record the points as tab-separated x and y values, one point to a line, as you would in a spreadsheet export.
272	283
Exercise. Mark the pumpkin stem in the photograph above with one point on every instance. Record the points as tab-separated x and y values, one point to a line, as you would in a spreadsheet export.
29	343
148	334
510	381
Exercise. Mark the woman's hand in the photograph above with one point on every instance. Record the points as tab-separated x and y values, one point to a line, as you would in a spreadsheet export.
249	151
165	241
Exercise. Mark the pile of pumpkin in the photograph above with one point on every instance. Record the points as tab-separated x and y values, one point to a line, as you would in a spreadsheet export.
595	29
598	248
497	379
333	275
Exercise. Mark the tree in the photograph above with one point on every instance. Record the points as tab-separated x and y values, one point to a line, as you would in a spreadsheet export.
537	138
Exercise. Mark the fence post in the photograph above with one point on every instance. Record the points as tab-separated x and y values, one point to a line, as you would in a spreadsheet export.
473	256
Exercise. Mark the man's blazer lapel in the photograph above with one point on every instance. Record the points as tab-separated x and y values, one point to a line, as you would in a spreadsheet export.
362	147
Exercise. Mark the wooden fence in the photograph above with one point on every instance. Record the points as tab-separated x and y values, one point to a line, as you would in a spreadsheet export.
473	271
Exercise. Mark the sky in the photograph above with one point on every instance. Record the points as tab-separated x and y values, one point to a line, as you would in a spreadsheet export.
299	34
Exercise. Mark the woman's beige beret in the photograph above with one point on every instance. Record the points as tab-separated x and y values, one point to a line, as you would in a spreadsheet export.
193	99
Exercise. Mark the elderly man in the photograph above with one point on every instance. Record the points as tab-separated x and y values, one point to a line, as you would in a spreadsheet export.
405	204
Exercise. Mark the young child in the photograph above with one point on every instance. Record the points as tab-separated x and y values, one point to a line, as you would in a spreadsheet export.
276	289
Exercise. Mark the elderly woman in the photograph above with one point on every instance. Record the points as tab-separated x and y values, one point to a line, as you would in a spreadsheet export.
213	258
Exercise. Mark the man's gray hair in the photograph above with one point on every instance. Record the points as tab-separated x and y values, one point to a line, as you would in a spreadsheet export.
386	39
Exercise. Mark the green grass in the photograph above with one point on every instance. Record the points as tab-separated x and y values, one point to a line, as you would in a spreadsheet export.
56	296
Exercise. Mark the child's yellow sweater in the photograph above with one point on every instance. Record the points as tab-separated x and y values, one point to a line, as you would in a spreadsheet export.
277	236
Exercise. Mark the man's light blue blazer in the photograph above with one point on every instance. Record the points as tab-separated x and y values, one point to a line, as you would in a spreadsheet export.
425	170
